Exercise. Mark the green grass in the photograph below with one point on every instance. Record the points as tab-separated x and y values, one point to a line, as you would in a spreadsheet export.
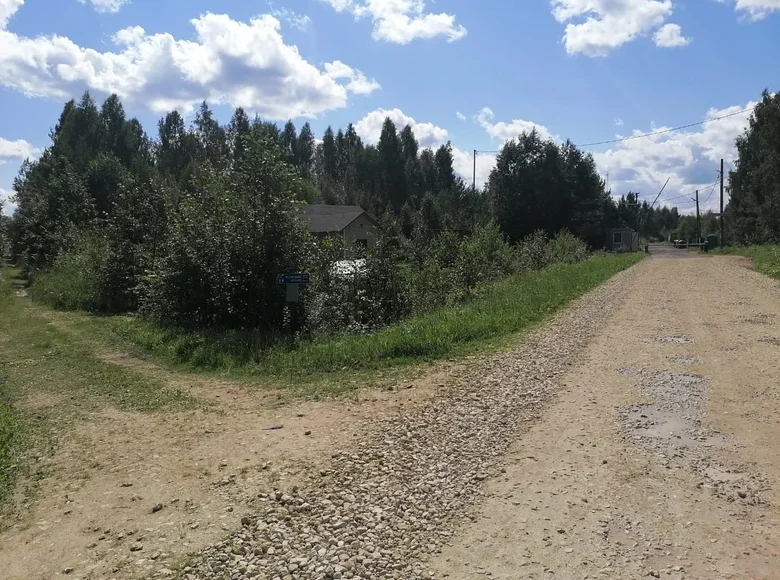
39	359
502	311
765	258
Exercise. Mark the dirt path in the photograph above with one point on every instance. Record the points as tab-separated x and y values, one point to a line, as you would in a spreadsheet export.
129	491
659	458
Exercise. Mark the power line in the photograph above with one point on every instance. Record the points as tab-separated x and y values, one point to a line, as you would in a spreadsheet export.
662	131
651	134
711	192
688	195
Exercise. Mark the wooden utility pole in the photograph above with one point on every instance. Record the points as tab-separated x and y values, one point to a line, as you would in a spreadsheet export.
698	220
474	175
722	217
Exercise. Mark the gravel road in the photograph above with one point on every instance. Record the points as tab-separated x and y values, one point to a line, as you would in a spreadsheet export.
630	437
396	498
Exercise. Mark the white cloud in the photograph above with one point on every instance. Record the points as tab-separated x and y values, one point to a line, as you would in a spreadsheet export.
463	163
690	158
243	64
602	25
505	131
358	83
299	21
18	149
428	134
670	36
401	21
460	116
5	201
618	122
755	9
106	6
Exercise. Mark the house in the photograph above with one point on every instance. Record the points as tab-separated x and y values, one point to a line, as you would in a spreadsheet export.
348	222
623	240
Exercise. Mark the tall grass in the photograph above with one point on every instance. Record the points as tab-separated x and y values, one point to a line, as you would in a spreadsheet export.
765	258
502	310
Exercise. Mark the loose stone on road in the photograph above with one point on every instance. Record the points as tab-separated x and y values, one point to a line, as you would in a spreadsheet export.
628	438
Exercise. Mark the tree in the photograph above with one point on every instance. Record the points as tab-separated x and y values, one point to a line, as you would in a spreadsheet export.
289	143
227	242
305	156
212	138
176	147
329	161
412	172
238	129
393	180
754	185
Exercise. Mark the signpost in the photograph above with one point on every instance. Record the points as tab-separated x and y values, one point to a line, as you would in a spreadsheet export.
297	278
292	283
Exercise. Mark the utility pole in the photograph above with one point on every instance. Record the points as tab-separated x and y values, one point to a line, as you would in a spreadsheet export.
698	220
722	217
474	175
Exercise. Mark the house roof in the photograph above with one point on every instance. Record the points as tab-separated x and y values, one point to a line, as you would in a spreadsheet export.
332	218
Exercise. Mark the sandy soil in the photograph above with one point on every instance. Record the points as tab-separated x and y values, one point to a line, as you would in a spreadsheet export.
659	457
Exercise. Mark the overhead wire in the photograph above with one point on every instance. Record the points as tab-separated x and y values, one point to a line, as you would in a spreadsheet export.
650	134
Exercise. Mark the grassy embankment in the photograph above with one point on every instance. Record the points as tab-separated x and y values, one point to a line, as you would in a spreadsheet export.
48	379
765	258
501	312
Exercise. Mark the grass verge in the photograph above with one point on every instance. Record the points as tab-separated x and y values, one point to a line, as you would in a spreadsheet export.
49	378
765	258
504	310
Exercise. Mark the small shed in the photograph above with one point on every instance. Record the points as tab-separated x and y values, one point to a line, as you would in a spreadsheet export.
623	240
349	222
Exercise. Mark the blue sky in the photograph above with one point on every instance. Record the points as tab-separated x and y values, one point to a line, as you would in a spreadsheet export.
475	73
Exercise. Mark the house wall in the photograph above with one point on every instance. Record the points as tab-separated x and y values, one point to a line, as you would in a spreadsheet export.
360	229
629	243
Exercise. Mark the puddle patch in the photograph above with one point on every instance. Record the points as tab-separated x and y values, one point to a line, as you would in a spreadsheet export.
676	339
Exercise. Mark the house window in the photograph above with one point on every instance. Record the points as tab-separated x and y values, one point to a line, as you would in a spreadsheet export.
617	239
362	242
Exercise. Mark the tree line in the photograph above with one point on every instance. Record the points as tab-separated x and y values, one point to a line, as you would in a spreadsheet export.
192	226
753	213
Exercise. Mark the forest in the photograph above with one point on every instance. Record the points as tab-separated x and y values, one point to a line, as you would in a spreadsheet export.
190	227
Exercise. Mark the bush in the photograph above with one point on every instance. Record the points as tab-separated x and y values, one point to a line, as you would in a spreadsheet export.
532	252
76	281
98	275
567	248
232	234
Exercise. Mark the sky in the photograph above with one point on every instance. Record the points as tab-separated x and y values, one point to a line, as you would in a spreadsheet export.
475	73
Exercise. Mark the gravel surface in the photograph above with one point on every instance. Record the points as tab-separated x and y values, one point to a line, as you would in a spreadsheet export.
672	426
394	499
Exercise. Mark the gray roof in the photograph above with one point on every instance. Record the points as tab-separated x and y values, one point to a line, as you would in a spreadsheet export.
331	218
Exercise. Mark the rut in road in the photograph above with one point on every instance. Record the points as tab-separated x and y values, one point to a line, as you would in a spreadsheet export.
394	499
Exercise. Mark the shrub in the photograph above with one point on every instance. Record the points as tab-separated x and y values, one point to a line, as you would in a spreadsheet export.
232	234
77	279
567	248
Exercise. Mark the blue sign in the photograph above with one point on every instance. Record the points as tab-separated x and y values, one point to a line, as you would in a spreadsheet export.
297	278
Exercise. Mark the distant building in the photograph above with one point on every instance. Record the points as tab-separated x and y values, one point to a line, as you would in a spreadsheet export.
348	222
623	240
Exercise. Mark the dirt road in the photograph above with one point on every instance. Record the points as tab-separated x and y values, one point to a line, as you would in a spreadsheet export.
632	436
659	458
